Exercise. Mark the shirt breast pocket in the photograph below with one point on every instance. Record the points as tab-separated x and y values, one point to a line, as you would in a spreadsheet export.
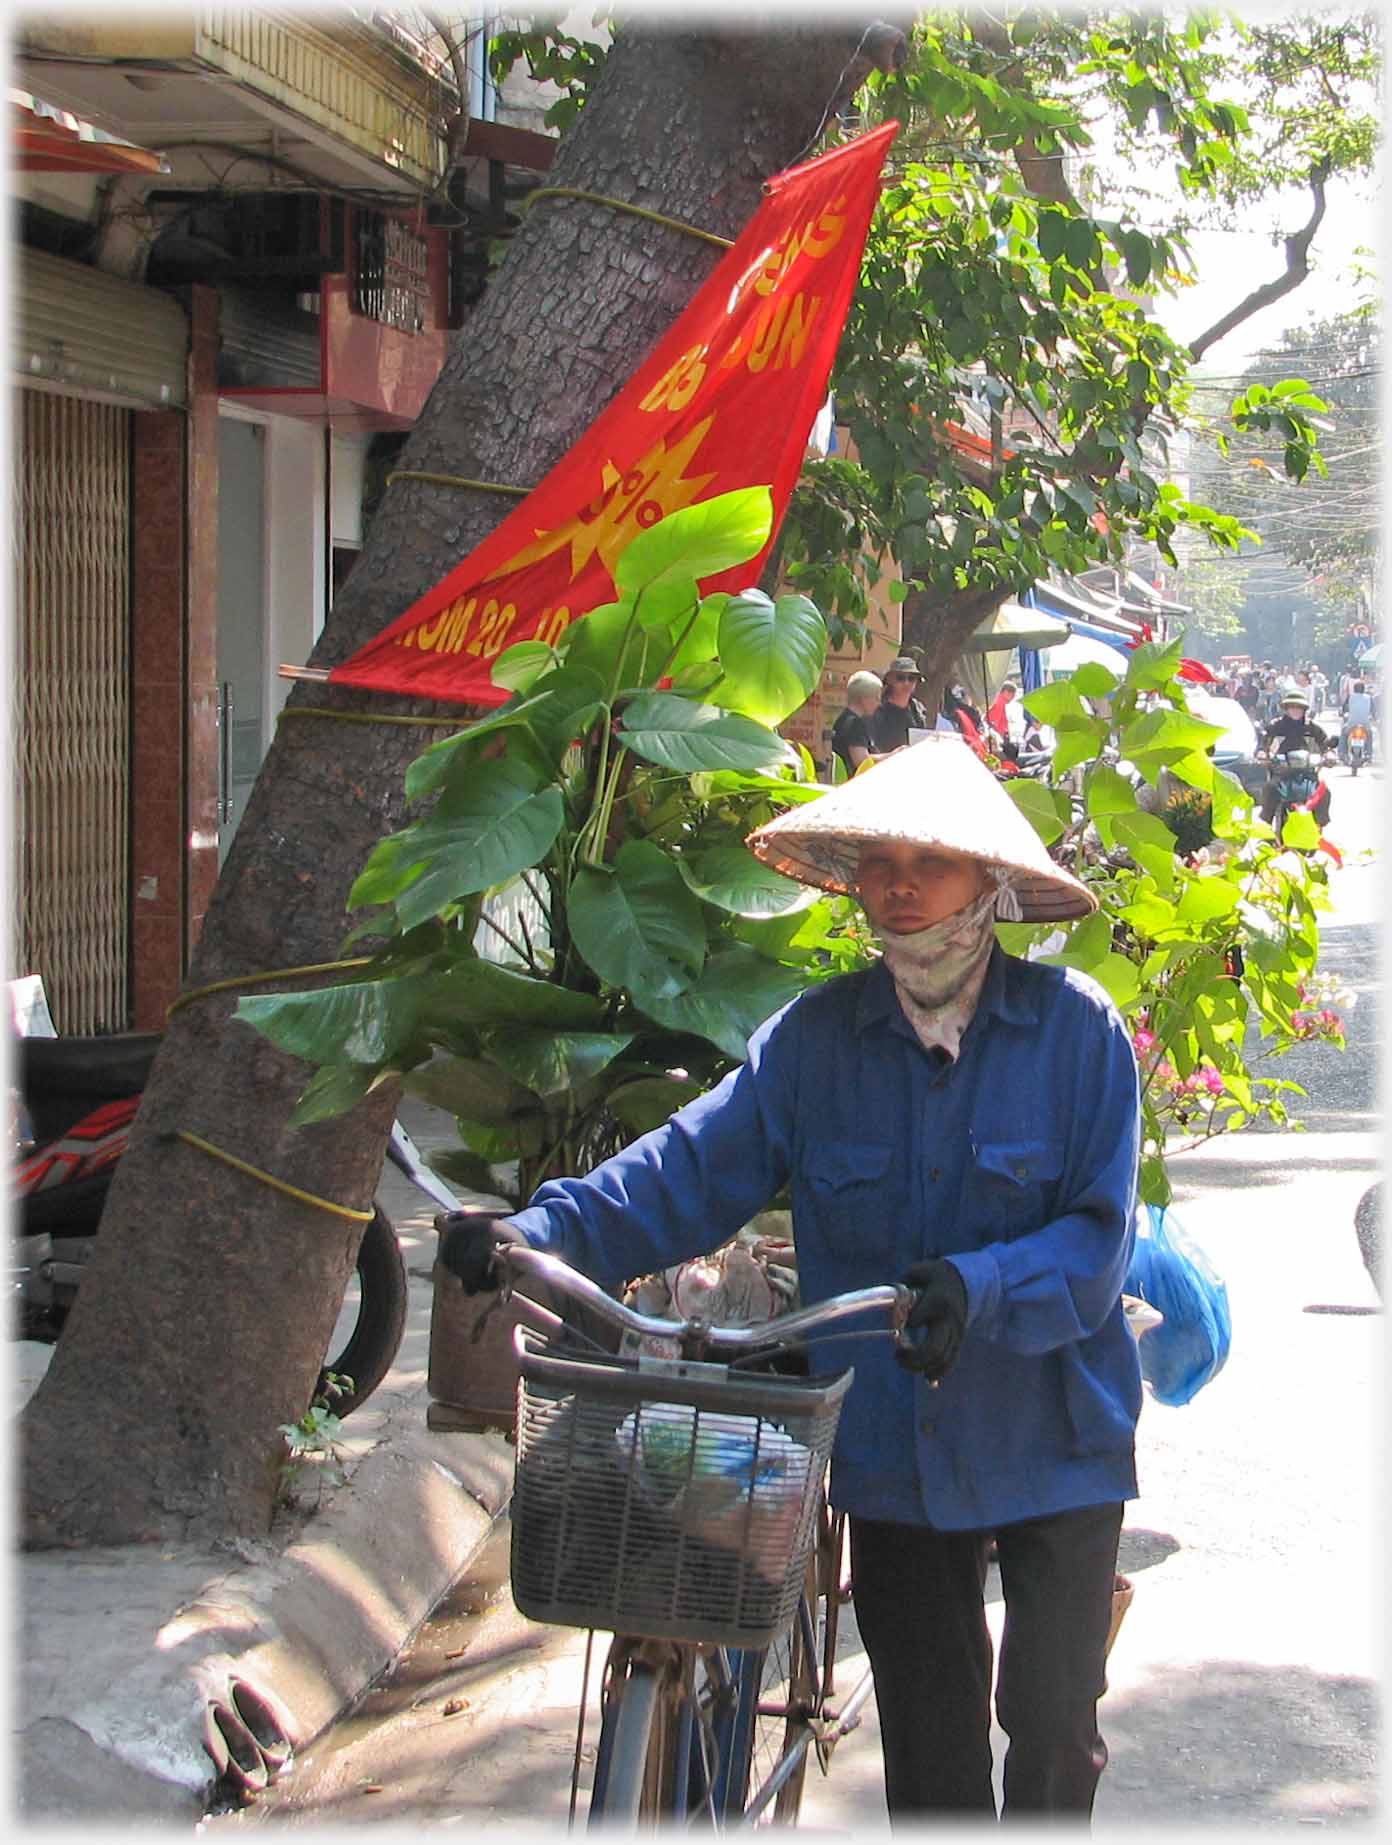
847	1188
1011	1190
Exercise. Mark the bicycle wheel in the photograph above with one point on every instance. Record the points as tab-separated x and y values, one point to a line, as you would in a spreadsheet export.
787	1690
635	1762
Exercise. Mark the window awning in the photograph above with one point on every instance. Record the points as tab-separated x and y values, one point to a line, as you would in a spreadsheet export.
48	140
1014	626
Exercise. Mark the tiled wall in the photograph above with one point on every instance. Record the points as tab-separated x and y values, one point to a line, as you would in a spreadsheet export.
202	691
174	855
157	699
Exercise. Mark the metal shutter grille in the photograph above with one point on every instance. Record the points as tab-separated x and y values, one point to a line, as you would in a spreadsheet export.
72	484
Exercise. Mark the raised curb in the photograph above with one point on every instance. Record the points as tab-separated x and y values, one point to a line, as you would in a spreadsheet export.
123	1650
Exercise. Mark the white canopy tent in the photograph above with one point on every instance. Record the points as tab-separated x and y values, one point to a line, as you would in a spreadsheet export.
1067	656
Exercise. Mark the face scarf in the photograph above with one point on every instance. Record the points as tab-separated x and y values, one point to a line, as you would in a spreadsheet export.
938	971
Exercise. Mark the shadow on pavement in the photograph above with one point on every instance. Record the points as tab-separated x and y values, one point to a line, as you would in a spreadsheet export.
1242	1177
1142	1550
1226	1741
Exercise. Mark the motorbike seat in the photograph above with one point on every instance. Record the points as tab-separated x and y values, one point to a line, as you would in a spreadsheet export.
105	1069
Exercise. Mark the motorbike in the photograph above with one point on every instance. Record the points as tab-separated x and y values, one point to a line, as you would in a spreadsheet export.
74	1101
1358	747
1299	784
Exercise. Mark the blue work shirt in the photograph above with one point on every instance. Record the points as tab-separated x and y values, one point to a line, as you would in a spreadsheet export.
1018	1162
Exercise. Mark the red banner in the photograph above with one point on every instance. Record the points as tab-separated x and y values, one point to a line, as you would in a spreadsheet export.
726	399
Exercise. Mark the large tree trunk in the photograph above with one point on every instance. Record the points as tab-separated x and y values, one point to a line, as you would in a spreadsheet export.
204	1317
936	628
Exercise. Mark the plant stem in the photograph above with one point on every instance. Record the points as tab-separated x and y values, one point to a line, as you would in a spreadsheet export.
516	947
680	641
538	899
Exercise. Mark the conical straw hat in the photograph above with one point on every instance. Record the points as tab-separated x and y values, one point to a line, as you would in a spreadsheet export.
936	793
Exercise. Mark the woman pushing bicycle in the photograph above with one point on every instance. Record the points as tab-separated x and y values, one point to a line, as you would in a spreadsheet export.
966	1123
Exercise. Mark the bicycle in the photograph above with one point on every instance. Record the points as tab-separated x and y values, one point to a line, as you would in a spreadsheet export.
677	1504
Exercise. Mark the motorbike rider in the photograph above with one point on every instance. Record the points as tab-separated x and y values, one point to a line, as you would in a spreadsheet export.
1358	710
1292	729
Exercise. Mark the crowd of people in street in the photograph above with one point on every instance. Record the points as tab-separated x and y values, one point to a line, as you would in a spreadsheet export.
881	716
1284	704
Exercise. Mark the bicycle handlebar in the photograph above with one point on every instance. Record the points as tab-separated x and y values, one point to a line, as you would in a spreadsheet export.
782	1331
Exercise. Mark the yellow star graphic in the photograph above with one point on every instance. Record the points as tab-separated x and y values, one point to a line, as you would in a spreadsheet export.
626	504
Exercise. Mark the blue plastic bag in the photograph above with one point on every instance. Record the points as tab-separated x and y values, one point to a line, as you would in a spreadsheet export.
1169	1270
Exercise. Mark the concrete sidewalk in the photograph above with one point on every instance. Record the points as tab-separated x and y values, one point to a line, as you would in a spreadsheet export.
120	1655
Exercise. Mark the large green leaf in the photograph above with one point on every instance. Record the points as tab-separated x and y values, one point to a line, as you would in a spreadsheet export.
1087	946
637	924
731	781
668	604
472	1086
566	703
732	879
434	766
497	824
1121	978
677	734
699	540
521	665
1078	740
1154	663
1048	810
362	1021
1206	899
772	653
1300	829
698	638
551	1062
332	1091
1150	843
738	989
1093	680
1051	702
594	642
481	993
1109	792
648	1101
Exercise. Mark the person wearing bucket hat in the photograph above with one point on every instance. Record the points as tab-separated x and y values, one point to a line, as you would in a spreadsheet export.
967	1122
900	710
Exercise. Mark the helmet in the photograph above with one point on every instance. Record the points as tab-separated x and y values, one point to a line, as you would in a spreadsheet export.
1293	695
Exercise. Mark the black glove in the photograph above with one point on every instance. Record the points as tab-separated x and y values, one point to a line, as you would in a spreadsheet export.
468	1241
939	1314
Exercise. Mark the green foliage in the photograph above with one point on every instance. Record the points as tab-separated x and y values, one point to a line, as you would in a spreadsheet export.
666	944
611	809
985	278
312	1443
552	56
1330	529
1207	933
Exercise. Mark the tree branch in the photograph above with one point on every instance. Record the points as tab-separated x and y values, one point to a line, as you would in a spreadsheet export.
1297	269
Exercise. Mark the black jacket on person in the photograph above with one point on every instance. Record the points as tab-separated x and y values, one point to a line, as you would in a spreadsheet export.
1288	733
891	724
850	728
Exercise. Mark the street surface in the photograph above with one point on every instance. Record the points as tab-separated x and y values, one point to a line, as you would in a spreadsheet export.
1243	1684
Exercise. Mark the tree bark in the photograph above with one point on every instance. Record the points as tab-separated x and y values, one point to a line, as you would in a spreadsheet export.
206	1312
935	628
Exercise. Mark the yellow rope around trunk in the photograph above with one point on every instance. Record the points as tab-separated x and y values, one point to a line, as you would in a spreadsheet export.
457	480
636	211
248	980
371	717
277	1185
